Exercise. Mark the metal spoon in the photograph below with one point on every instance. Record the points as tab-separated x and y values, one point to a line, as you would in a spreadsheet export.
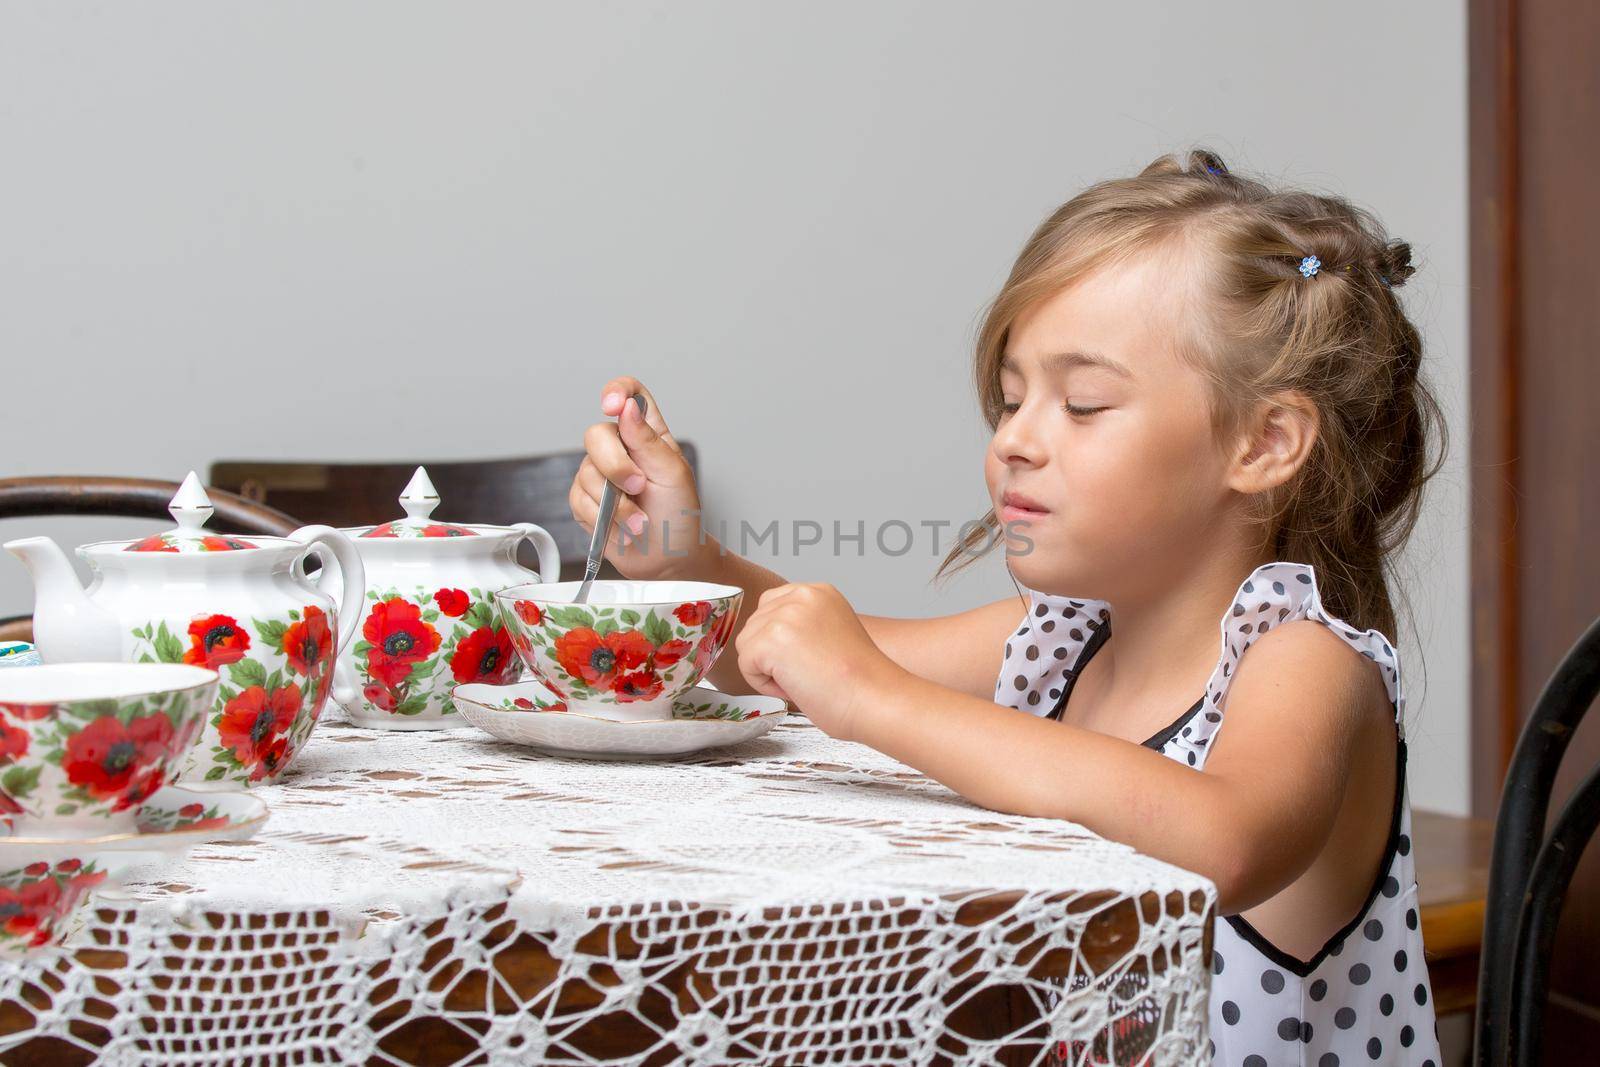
602	526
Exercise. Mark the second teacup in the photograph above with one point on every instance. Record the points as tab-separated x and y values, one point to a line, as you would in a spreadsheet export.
627	653
82	745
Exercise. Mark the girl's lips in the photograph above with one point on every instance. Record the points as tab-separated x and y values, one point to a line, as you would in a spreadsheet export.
1014	507
1016	514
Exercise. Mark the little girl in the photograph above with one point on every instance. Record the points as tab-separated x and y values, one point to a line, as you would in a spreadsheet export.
1206	406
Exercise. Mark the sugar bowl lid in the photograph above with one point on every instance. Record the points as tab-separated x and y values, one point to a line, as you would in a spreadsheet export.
191	508
419	500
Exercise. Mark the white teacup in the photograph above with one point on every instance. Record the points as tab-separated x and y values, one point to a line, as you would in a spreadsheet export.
82	745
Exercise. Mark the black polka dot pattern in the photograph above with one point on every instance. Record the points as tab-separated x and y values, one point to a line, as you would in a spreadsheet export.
1364	997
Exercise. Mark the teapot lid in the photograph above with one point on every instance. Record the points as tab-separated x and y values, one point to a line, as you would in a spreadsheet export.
191	507
419	500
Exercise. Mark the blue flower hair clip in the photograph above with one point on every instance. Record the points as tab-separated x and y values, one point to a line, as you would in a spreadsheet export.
1310	265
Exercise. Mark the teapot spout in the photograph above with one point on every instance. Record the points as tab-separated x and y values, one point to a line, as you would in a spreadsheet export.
68	626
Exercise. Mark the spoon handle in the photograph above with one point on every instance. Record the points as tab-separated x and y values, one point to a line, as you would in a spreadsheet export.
602	527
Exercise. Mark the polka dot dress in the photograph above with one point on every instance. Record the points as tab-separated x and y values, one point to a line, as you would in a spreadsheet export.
1364	996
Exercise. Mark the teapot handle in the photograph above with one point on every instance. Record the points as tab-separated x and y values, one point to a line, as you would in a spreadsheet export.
545	546
352	591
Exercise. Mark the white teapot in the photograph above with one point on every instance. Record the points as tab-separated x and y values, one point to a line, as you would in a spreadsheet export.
240	605
430	617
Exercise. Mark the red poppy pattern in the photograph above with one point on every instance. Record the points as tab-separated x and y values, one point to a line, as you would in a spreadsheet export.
155	543
453	602
276	676
640	685
416	646
485	655
610	654
28	712
207	543
524	704
13	742
94	757
122	763
671	652
224	544
308	643
255	726
694	614
399	639
189	817
36	899
216	641
400	528
595	659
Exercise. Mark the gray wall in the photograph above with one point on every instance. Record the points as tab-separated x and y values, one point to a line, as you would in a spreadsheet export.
384	230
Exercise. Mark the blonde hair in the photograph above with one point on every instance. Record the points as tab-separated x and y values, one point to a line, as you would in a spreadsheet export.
1259	327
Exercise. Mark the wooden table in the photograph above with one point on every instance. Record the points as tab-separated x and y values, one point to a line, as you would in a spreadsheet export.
1452	860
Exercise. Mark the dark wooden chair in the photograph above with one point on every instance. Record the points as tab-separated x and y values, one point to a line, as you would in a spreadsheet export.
132	498
496	491
1531	869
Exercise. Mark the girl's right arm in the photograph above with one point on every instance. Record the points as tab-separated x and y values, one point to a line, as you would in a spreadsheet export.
658	536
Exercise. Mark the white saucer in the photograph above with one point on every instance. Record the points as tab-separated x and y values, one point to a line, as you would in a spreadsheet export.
46	880
173	818
526	713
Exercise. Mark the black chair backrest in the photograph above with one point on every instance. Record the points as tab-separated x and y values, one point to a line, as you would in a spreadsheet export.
496	491
1529	870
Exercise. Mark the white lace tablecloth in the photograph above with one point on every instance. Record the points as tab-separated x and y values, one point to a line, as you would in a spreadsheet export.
444	897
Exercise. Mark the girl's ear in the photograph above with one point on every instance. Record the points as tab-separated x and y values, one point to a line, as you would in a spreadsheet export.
1275	444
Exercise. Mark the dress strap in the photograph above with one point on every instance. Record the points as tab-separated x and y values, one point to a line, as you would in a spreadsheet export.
1275	594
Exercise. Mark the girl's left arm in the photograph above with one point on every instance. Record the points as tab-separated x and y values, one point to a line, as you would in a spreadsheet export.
1254	821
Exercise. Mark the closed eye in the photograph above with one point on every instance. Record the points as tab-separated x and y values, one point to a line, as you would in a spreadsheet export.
1071	409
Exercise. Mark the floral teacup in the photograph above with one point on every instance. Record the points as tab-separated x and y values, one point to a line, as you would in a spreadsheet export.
82	745
630	650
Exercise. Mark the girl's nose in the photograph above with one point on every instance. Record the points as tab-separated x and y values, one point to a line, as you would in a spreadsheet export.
1017	439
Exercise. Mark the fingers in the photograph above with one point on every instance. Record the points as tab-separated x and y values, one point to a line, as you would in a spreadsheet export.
614	392
792	591
661	462
750	648
754	632
608	453
584	499
627	514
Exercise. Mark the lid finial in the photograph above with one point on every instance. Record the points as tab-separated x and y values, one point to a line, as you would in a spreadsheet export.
420	497
190	506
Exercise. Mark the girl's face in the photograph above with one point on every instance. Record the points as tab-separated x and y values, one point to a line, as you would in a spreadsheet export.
1104	458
